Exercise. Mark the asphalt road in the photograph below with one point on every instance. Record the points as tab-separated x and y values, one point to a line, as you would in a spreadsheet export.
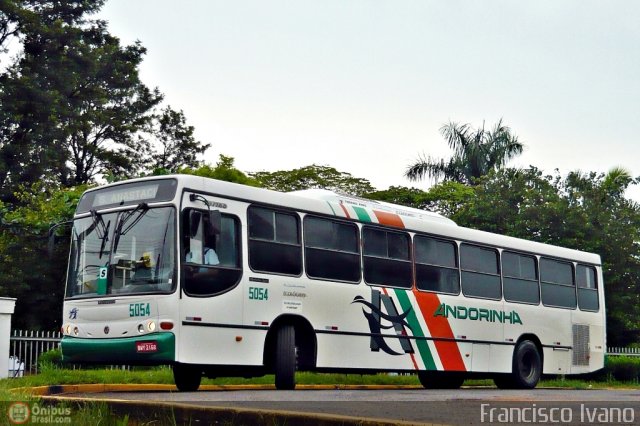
454	407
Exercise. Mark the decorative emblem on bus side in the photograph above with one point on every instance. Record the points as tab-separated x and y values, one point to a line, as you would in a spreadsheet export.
106	329
375	317
73	314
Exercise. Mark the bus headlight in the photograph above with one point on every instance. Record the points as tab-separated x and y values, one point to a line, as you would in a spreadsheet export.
151	325
140	328
76	331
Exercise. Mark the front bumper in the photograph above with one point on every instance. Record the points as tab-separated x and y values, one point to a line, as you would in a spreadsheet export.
119	350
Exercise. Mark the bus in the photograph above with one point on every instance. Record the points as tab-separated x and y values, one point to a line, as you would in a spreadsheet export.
220	279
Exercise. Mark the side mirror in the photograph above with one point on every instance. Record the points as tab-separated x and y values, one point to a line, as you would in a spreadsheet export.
194	223
52	236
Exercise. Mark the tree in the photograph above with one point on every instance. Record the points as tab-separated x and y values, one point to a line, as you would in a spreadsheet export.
313	176
72	107
223	170
173	142
475	153
26	271
583	211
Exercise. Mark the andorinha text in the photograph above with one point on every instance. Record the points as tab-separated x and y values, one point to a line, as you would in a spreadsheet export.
477	314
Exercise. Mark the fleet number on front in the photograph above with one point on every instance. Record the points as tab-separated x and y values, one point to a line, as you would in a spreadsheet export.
258	293
139	310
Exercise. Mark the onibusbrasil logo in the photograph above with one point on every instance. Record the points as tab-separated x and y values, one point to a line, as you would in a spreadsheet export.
20	413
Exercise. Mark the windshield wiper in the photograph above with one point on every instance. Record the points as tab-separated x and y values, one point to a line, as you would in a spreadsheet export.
102	230
141	209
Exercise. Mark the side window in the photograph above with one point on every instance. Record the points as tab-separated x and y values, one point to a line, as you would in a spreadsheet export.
480	272
331	249
436	265
520	278
274	241
557	286
211	263
386	257
587	288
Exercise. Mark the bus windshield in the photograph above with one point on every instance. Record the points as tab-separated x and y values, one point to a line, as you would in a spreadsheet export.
123	253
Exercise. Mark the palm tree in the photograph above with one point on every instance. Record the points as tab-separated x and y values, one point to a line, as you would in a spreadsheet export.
475	153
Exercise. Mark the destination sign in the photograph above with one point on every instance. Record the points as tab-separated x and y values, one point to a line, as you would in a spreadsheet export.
142	193
131	193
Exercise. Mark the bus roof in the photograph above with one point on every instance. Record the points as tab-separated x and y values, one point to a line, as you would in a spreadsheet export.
334	204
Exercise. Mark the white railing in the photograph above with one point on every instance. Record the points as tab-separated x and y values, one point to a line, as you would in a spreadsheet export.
623	351
25	349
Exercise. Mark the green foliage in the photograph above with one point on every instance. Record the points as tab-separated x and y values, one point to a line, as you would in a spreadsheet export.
26	271
586	212
623	368
72	105
223	170
476	152
313	176
50	359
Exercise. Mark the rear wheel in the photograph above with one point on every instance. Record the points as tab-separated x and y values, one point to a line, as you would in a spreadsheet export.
527	365
187	377
440	380
285	362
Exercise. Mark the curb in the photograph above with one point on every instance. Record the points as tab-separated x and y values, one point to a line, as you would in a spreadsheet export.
184	413
101	388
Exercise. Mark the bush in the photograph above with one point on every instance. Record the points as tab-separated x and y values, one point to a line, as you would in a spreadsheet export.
50	359
623	368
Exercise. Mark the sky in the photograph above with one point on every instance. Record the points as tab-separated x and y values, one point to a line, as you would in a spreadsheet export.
365	86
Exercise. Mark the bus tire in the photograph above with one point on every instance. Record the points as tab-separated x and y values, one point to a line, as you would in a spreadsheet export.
187	377
440	380
285	362
527	365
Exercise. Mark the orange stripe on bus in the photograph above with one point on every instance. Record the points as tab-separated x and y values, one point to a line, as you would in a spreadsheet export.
439	326
389	219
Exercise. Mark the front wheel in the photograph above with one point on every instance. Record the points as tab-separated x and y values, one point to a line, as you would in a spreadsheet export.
187	377
285	363
527	365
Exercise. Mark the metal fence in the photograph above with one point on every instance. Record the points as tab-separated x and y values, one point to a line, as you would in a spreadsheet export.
623	351
27	346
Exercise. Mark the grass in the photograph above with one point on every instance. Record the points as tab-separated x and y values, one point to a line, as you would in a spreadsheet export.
100	413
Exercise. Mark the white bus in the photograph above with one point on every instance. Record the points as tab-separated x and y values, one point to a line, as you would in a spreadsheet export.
220	279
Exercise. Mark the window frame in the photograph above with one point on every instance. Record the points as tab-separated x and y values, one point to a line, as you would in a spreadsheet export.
536	265
573	277
183	264
456	250
358	252
300	244
410	261
595	290
498	266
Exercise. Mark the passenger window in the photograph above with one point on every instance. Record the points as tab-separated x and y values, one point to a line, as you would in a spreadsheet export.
331	249
480	273
274	241
520	278
436	265
557	286
386	258
587	288
211	264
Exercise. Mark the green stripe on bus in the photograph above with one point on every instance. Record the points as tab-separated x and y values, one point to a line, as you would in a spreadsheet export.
412	319
331	207
362	214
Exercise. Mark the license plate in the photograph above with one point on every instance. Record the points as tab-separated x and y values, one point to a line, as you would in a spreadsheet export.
146	347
